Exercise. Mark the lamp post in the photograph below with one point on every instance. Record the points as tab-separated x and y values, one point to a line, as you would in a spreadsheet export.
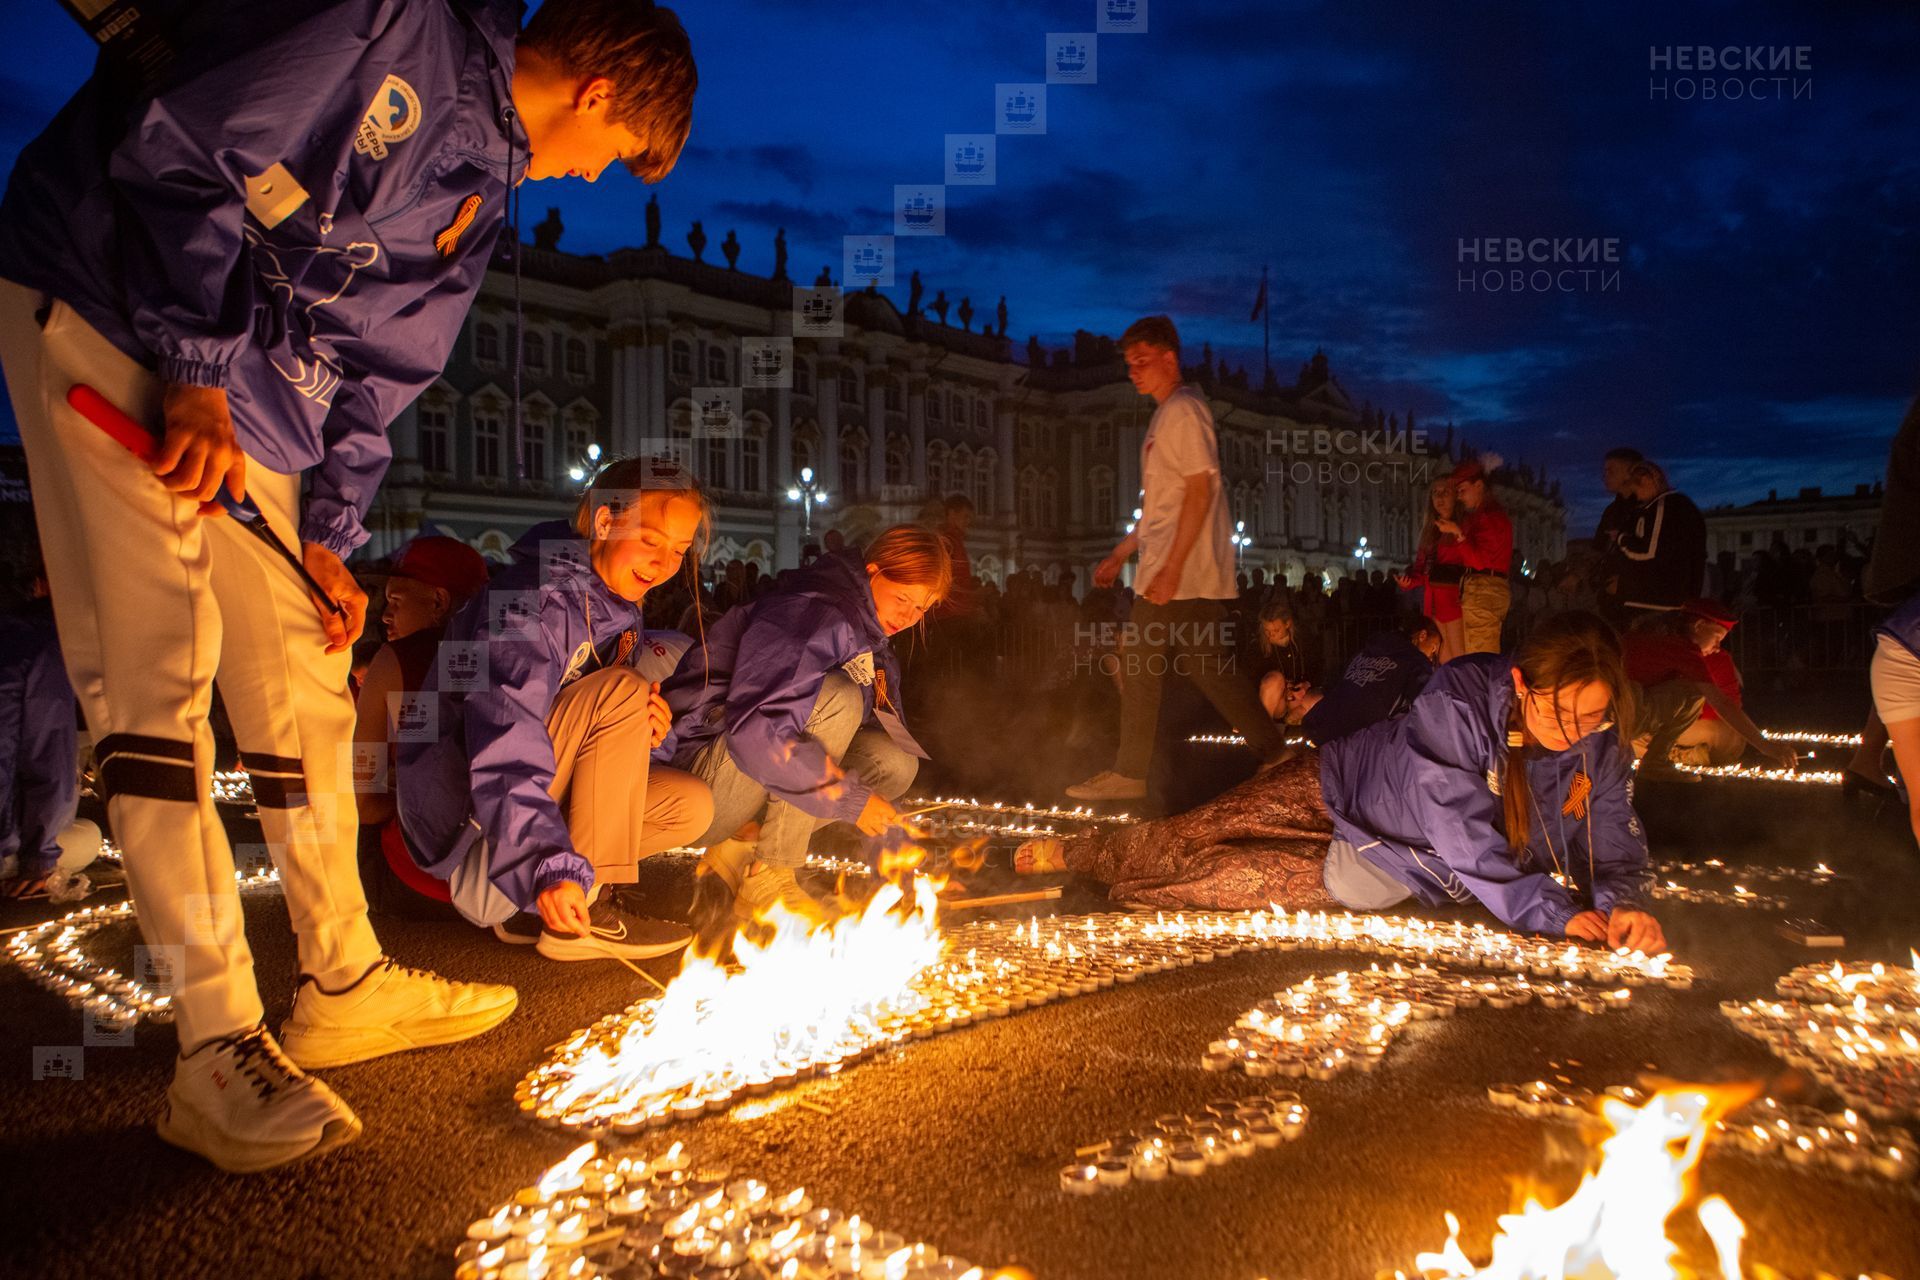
1241	541
807	494
1363	552
580	471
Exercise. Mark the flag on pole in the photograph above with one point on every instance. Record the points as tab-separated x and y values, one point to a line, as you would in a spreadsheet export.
1260	302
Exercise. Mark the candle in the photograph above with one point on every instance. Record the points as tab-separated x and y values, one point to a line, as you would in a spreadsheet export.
1080	1179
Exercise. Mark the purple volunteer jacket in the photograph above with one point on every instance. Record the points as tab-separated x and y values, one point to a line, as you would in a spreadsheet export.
479	771
760	672
301	214
1418	797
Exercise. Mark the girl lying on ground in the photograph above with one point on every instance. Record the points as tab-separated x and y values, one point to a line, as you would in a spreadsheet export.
1505	774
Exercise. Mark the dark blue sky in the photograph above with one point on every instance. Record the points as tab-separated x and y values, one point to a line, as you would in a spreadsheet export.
1764	332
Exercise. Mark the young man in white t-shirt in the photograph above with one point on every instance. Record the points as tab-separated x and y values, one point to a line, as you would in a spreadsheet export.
1180	624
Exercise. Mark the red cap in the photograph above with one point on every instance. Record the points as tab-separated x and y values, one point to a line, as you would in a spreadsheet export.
447	563
1710	611
1469	469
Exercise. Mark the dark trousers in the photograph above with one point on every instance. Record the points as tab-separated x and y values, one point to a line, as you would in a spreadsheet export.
1191	638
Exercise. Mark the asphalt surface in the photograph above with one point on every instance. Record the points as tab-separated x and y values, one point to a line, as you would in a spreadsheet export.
957	1140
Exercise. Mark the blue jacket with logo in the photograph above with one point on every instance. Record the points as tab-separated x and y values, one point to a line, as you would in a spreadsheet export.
481	770
301	214
1380	682
39	783
761	670
1418	797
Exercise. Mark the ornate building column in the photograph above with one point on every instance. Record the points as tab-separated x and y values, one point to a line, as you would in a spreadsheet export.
877	429
826	398
917	432
1003	416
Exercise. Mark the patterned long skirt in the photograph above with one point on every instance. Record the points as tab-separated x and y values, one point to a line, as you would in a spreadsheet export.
1264	842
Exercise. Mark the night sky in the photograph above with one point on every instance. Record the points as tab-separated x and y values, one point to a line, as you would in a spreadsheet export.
1763	334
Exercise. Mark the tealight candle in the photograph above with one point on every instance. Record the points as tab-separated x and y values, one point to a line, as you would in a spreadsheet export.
1080	1179
1114	1173
1187	1161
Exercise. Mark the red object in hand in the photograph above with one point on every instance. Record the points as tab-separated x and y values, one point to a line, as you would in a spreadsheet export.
106	415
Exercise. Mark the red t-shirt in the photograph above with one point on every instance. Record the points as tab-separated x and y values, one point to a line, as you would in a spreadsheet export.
1488	540
1655	659
1726	676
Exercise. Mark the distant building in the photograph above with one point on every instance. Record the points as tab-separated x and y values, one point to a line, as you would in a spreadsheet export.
896	413
1808	520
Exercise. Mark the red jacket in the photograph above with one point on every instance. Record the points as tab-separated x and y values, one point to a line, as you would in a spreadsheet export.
1489	540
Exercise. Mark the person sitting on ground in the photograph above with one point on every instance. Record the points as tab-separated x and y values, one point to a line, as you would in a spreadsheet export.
1710	740
1507	783
1380	682
1280	664
791	713
432	577
1666	659
529	791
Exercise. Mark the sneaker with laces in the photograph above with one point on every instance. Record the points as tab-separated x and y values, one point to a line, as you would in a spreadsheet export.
1109	786
241	1104
522	929
764	886
616	932
390	1009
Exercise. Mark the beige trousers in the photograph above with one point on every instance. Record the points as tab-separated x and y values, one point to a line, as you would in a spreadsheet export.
618	808
153	603
1483	608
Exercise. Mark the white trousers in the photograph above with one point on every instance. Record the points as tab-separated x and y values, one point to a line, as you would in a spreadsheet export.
153	602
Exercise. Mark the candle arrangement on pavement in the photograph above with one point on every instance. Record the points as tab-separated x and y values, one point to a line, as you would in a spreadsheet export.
1812	739
613	1214
1185	1146
1680	882
1856	1028
805	1003
1235	740
969	817
50	955
1326	1025
1840	1141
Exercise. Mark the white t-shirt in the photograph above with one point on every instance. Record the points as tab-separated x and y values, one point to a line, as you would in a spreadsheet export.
1181	443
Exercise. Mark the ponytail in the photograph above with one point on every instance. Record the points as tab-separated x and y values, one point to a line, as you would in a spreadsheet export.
1571	648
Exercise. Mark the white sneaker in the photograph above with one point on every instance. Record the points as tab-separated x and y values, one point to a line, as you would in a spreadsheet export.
765	886
390	1009
1109	786
615	932
242	1105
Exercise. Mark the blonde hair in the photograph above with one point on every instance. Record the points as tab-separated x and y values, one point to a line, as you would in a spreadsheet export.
624	483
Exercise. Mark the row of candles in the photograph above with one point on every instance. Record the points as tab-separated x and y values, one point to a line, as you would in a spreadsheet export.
602	1213
1325	1025
1843	1141
1854	1028
641	1068
1187	1146
50	955
1235	740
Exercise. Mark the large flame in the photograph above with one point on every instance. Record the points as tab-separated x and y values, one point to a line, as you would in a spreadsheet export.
802	987
1614	1226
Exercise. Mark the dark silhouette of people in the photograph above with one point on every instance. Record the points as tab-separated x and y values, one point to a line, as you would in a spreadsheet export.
1000	314
780	254
915	290
546	234
731	247
940	305
1036	356
697	240
966	314
824	279
653	221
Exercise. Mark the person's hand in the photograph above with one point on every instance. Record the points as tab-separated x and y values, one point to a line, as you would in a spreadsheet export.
1635	930
198	452
563	909
1782	755
1449	526
659	716
1588	926
24	886
1164	584
1406	583
338	582
877	815
1107	572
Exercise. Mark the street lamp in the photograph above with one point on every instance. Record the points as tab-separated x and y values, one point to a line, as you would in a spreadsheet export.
808	495
1363	552
579	471
1241	541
